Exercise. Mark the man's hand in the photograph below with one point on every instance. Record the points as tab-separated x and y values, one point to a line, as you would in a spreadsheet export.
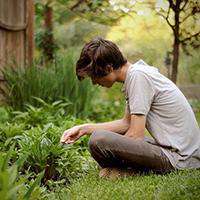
71	135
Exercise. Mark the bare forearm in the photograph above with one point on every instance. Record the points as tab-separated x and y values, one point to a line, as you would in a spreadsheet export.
137	127
119	126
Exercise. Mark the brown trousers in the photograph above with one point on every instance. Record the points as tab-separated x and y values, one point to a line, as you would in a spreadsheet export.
111	149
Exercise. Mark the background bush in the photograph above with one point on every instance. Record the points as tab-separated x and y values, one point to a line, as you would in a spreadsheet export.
52	83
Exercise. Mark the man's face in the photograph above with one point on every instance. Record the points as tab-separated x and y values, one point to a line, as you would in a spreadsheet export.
105	81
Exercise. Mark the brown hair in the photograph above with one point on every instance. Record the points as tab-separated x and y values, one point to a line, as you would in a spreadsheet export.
97	57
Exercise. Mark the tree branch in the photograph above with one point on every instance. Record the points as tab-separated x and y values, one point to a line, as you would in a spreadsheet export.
171	4
190	37
186	2
186	17
76	4
167	18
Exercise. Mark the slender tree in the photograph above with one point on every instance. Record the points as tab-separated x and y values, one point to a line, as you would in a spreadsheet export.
48	39
44	12
182	16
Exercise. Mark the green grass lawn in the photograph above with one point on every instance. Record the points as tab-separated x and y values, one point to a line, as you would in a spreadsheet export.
184	185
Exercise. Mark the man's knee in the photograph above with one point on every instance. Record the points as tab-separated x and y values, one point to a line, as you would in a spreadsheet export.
97	137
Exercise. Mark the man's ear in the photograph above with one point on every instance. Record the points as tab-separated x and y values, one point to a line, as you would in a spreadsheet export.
109	69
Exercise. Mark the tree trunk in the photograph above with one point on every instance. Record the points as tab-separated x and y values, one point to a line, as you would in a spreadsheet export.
48	40
176	42
175	61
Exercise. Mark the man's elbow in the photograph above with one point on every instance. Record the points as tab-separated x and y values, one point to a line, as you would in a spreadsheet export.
126	123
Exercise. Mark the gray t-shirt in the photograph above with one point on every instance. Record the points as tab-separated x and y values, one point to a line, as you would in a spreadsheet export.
169	117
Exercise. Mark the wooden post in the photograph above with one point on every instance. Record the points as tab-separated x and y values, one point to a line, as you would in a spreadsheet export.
30	45
16	32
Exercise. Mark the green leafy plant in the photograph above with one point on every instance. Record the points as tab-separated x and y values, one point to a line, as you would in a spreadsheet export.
42	151
7	132
4	115
12	185
43	114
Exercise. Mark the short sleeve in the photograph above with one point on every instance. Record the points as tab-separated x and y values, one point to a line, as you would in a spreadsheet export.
140	92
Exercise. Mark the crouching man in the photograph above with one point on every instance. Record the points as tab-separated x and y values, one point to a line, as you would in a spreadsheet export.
152	102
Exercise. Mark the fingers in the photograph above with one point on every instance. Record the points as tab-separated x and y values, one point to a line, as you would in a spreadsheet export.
71	135
82	132
66	136
69	141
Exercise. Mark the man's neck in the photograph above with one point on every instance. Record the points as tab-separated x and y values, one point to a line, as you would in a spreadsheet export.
122	72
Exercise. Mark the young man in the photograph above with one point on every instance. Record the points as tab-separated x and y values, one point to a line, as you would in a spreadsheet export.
152	102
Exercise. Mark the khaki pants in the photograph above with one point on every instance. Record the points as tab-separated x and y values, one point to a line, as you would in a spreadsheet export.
111	149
